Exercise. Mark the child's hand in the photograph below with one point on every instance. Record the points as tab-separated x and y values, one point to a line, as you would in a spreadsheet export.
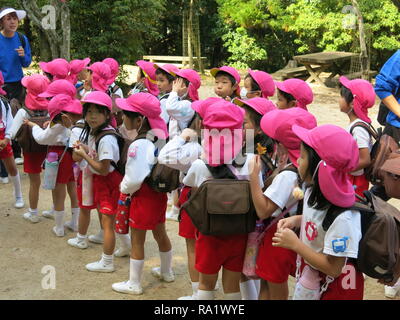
79	150
285	238
29	123
20	51
289	223
79	144
179	87
3	143
255	167
45	125
189	135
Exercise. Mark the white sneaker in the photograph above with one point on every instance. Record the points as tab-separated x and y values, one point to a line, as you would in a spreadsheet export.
19	203
5	180
49	214
192	297
392	292
19	161
58	232
31	217
78	243
99	266
167	277
96	238
127	287
70	226
172	214
122	252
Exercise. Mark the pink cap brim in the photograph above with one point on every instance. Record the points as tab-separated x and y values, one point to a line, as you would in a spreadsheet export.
75	108
43	66
94	101
2	92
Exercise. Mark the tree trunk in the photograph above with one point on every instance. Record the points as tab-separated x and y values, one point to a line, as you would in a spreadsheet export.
364	59
190	35
396	3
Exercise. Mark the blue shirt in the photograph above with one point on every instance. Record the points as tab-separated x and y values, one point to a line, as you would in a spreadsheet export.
10	62
388	83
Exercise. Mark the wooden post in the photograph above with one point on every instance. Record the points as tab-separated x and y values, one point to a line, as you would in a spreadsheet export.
190	35
364	59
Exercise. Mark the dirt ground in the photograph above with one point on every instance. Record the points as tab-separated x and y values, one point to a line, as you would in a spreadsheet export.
25	249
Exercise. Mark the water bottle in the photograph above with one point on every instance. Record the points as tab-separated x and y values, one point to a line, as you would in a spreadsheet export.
253	240
50	171
308	286
122	217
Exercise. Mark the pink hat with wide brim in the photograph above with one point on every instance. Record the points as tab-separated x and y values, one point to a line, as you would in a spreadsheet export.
259	105
200	106
194	82
230	70
114	68
64	103
58	68
76	66
168	68
59	87
299	89
340	155
364	96
148	106
2	92
150	75
98	97
278	124
101	74
264	81
35	85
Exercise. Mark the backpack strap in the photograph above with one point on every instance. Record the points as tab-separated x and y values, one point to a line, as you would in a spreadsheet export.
109	133
115	89
268	162
370	129
6	105
22	39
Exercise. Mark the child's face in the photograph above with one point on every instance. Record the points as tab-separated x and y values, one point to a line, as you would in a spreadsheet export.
10	22
140	77
344	106
250	93
223	87
164	86
248	124
303	165
94	117
283	103
83	75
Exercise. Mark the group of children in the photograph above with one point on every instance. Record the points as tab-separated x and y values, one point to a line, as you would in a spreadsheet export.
89	121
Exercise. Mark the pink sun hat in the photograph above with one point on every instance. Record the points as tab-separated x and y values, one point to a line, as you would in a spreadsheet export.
195	81
264	81
168	68
64	103
299	89
114	68
364	96
149	106
230	70
101	75
98	97
259	105
58	68
35	85
2	92
76	66
150	76
200	106
59	87
222	145
278	124
340	155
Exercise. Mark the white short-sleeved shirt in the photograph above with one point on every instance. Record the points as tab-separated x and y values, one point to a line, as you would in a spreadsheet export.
53	135
108	150
280	192
342	237
363	138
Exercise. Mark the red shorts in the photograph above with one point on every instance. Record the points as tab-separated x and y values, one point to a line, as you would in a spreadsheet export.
348	286
147	208
65	171
79	194
361	183
33	161
212	253
106	192
6	152
274	264
186	228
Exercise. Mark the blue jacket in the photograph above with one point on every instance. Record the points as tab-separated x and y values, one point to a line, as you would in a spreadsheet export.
388	83
10	62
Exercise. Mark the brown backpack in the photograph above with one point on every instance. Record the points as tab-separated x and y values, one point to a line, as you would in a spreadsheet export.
221	207
391	175
379	247
24	135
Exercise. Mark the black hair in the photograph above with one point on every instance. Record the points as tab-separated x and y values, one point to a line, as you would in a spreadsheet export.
316	200
287	96
57	118
142	75
170	77
48	75
226	74
254	84
185	81
254	116
346	94
84	137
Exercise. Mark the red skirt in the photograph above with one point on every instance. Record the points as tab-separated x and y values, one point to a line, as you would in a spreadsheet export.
33	161
187	229
106	192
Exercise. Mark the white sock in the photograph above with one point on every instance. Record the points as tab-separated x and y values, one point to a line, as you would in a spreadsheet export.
17	186
232	296
248	290
101	233
33	211
125	240
81	237
205	295
107	259
166	261
75	216
59	217
135	271
195	288
257	284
